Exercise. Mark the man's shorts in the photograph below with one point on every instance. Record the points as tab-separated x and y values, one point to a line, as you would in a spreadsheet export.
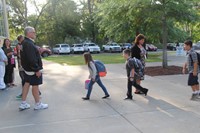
192	80
33	79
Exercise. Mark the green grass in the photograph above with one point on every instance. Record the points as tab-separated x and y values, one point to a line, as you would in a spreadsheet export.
106	58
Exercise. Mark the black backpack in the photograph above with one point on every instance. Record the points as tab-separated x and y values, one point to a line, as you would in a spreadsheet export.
198	59
139	68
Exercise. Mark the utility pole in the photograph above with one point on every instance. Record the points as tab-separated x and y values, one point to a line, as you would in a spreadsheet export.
5	18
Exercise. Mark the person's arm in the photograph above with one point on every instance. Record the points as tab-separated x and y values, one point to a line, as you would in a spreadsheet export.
195	68
132	74
195	63
94	71
184	68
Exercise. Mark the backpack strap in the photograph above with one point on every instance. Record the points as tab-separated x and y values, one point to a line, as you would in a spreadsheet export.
192	62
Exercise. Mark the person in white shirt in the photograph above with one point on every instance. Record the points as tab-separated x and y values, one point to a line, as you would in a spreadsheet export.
3	62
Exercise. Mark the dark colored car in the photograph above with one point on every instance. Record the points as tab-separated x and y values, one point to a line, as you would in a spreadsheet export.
171	46
151	47
125	46
44	52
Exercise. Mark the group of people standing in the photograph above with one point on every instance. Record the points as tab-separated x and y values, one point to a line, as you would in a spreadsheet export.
7	65
29	65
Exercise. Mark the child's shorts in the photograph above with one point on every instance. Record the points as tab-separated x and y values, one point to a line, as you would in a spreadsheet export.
192	80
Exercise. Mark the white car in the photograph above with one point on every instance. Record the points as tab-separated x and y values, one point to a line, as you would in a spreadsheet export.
112	47
91	47
61	49
77	48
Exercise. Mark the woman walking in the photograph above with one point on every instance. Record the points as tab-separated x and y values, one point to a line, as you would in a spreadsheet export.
94	77
139	52
3	62
9	74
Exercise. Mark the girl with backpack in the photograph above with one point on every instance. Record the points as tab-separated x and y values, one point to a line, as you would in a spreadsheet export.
94	77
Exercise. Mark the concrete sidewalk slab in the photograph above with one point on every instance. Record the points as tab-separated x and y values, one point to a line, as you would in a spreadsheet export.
167	108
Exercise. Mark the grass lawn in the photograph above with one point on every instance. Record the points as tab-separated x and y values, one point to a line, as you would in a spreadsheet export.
107	58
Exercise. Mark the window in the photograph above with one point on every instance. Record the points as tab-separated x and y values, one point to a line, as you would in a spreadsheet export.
63	46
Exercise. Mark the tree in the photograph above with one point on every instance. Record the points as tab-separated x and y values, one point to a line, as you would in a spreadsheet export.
157	18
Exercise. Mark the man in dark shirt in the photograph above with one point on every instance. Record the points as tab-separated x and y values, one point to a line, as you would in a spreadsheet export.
132	75
32	65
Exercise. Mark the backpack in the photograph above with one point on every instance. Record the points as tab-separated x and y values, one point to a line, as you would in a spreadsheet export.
198	59
101	69
139	68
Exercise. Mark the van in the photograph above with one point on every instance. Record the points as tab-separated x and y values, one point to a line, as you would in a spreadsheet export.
61	49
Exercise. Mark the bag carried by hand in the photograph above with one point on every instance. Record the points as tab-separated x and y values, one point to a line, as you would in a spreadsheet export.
87	84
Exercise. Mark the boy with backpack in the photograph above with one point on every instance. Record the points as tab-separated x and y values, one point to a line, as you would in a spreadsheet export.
134	70
193	69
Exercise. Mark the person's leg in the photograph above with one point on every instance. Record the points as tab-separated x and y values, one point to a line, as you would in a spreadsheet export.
6	78
138	81
2	73
25	91
102	86
21	74
129	91
35	92
193	82
90	88
10	74
140	88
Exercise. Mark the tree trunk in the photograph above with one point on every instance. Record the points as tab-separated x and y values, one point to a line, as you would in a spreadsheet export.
164	39
90	8
25	14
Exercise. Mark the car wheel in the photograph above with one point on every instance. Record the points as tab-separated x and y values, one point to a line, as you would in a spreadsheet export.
45	54
103	49
110	51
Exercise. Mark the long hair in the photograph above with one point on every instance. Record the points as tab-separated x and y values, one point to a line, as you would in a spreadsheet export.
138	38
88	58
4	43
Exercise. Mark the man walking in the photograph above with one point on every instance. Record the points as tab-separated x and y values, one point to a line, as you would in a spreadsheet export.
32	65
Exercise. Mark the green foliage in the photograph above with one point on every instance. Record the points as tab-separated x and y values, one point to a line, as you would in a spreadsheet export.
123	19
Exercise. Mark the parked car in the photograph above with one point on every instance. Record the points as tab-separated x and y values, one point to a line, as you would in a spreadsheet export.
61	49
77	48
151	47
125	46
171	46
44	52
196	46
112	47
91	47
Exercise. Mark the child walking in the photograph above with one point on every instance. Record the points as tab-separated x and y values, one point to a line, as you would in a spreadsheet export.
94	77
193	69
133	74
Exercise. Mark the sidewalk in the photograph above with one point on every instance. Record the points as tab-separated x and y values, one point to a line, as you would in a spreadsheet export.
166	109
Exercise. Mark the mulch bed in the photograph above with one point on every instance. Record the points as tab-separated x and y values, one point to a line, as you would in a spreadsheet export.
159	70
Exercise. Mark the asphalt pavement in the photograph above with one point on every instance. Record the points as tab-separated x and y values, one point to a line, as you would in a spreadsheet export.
166	108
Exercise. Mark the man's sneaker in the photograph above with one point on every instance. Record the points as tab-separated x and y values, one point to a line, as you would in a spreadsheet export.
41	106
24	106
194	97
19	96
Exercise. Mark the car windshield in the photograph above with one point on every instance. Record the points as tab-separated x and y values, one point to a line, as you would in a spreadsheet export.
64	46
57	46
92	44
114	44
127	44
78	45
